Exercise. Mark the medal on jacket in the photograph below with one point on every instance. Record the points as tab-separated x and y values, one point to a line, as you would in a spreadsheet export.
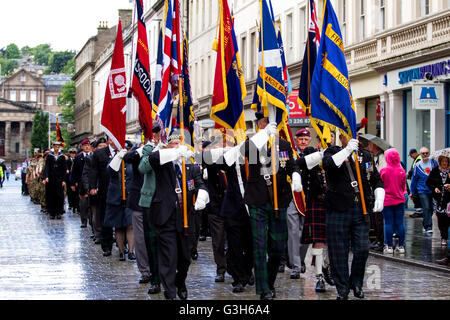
284	157
190	184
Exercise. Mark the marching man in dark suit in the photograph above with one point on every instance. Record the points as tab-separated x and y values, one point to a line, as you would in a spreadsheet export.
77	185
54	180
174	248
346	226
269	230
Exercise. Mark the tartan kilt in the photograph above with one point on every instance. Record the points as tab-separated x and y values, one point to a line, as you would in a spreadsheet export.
314	228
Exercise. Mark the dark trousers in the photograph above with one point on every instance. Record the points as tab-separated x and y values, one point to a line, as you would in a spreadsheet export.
443	224
24	185
217	228
269	239
106	233
239	254
72	198
174	258
84	209
151	244
426	200
54	196
377	227
196	224
345	229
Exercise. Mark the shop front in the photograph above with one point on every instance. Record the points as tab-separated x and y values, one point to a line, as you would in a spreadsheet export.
417	107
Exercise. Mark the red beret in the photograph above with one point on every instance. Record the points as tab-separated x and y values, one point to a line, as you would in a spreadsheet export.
303	133
85	141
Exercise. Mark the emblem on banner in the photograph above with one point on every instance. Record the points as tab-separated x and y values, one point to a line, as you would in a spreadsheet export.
117	83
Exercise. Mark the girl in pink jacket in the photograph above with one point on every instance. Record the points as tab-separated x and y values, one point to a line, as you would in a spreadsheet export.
394	179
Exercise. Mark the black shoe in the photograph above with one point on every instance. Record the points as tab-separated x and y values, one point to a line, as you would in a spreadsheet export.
167	297
194	255
92	236
58	216
154	289
274	294
266	296
238	288
121	256
281	268
144	279
416	215
52	217
342	296
83	225
220	278
202	238
107	253
182	293
295	274
251	280
131	256
97	241
358	292
327	276
303	268
320	285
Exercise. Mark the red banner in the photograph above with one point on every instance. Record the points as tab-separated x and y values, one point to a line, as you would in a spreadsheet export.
295	110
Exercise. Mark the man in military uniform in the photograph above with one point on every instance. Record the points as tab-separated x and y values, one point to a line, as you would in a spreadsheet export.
31	179
54	179
269	227
72	195
346	225
40	185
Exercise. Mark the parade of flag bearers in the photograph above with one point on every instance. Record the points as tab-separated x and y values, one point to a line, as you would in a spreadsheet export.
258	155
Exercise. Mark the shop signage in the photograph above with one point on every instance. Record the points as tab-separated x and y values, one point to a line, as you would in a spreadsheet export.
435	69
297	116
427	96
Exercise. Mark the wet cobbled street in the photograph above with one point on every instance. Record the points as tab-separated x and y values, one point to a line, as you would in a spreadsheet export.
57	260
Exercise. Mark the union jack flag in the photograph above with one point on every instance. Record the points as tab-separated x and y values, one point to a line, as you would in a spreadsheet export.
171	62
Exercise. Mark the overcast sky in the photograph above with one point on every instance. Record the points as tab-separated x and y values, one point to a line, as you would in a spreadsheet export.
64	24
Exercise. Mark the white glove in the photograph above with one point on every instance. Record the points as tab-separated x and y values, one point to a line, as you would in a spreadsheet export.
232	155
167	155
296	182
340	157
139	150
205	174
216	154
182	151
202	200
271	128
379	200
117	160
313	159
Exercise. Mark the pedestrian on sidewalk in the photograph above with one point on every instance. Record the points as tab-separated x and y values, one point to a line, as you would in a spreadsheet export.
439	182
416	158
418	185
394	180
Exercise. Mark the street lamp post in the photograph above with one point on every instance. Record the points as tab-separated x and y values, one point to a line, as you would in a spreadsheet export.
49	126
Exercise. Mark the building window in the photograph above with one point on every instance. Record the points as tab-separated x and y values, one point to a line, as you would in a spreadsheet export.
50	100
23	95
382	15
344	21
243	54
253	55
12	95
362	18
289	38
23	78
33	95
425	7
17	147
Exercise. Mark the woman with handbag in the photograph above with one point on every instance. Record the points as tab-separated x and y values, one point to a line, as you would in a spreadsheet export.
439	183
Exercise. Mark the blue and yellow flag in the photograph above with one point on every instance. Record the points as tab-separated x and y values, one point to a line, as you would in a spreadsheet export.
331	96
270	82
229	86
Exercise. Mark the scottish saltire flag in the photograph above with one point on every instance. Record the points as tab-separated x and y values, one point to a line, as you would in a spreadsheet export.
331	96
171	66
188	106
270	81
141	81
229	86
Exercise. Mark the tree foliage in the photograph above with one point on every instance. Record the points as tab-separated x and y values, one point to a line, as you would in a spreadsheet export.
39	132
69	68
42	54
12	51
8	66
58	61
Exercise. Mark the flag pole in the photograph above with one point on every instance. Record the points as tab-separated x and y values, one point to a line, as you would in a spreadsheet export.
264	104
180	104
123	181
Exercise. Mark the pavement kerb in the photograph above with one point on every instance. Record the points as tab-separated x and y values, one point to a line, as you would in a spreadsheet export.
411	262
